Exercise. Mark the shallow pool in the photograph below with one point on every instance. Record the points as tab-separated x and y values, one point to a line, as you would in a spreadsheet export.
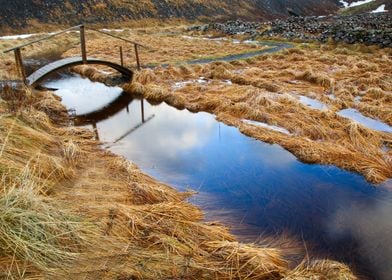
254	187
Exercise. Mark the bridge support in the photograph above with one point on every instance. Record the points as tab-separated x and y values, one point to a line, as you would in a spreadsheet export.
83	44
137	57
121	57
19	65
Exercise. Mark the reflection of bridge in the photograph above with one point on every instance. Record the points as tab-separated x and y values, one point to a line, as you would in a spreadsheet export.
45	71
105	112
35	78
110	110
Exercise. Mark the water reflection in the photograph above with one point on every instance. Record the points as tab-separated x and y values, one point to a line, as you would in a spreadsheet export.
82	95
253	186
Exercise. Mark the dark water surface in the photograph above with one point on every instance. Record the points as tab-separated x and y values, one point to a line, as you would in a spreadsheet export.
256	188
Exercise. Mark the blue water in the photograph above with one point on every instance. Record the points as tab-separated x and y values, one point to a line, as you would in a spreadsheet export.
254	187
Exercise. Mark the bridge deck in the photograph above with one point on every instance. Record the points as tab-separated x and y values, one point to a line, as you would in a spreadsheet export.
43	72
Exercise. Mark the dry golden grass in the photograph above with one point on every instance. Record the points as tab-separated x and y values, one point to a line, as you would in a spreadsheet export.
139	228
266	89
37	234
93	215
165	46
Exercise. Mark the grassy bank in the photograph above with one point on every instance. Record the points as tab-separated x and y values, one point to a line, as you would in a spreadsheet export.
71	210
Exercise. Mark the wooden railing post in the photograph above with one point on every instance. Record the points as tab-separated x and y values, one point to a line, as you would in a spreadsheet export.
121	56
83	44
19	65
137	57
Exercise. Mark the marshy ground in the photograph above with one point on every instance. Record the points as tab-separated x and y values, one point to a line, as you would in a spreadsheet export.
66	201
269	89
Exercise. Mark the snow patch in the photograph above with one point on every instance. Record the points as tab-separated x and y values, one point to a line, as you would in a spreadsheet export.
265	125
359	3
182	84
380	9
15	37
112	30
216	39
250	42
344	3
354	4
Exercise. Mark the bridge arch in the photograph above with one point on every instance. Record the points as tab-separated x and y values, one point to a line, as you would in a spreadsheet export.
41	74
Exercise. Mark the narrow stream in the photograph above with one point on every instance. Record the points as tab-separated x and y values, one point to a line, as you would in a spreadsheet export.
272	47
254	187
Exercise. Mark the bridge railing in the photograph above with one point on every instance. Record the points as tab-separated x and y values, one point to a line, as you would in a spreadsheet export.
81	28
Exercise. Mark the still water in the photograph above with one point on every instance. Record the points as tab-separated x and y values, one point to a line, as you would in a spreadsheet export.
254	187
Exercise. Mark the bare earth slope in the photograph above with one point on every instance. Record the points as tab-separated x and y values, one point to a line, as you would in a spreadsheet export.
24	14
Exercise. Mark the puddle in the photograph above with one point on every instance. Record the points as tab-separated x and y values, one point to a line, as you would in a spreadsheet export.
265	125
252	186
356	116
313	103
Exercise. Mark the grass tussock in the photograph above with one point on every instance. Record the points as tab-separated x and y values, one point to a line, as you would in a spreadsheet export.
36	231
310	76
321	269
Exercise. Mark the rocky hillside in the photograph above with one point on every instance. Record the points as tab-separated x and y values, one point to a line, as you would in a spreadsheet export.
22	14
367	28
